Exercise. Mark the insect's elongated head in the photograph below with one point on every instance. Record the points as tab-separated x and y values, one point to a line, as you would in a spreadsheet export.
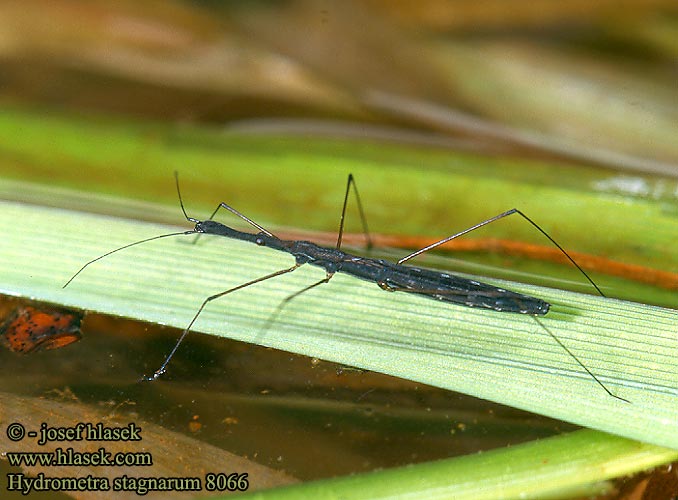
262	239
219	229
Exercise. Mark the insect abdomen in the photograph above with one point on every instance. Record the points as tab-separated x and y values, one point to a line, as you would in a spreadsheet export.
470	293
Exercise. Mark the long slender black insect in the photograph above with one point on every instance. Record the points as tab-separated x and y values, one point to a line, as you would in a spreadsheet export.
392	277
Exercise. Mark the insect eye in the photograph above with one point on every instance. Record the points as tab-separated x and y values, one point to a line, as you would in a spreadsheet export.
260	242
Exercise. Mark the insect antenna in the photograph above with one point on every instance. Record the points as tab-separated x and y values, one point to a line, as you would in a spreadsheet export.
181	201
190	219
123	248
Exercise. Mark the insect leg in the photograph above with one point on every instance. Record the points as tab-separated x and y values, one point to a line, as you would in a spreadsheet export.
562	250
209	299
351	181
211	217
496	218
296	294
243	217
579	362
434	292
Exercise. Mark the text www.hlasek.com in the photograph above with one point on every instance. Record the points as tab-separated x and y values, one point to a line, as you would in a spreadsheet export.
69	457
65	456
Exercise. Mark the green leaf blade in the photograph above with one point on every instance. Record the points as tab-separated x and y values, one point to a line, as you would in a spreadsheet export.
558	467
502	357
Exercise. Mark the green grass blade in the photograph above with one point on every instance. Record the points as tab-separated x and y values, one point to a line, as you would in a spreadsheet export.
502	357
558	467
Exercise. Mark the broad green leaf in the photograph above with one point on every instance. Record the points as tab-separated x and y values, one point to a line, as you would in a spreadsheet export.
502	357
572	465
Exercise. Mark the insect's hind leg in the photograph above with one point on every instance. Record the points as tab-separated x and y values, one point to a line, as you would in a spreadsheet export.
496	218
550	333
209	299
578	361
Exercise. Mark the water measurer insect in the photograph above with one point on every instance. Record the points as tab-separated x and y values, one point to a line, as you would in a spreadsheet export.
391	277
